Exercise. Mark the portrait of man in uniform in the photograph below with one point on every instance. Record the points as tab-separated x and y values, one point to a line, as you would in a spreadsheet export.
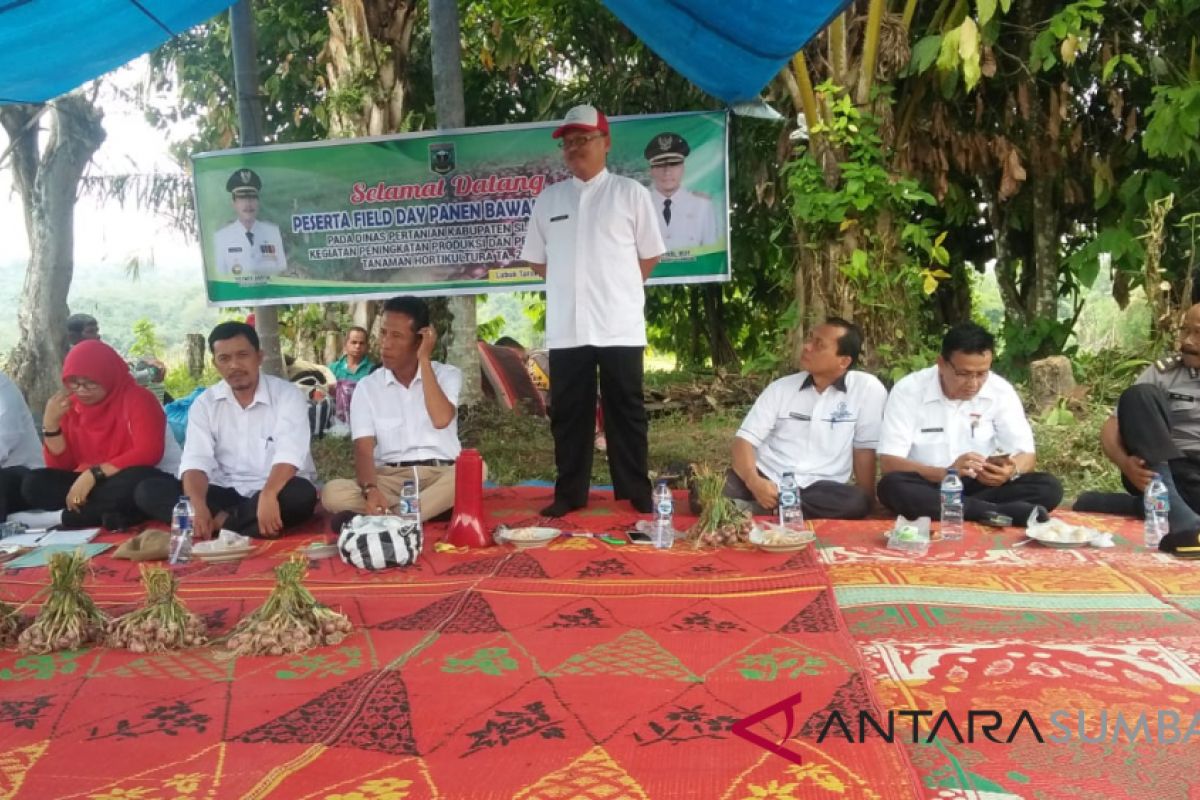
686	218
249	249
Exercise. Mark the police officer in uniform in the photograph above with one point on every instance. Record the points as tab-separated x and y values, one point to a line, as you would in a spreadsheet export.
248	248
686	218
1156	428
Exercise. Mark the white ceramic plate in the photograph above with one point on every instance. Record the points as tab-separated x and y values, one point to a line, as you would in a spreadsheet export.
223	553
524	538
779	542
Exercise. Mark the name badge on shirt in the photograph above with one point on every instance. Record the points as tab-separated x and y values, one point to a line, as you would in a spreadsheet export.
559	218
1177	396
801	417
933	430
235	249
267	249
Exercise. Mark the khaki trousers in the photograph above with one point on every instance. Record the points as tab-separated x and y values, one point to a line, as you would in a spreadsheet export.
436	486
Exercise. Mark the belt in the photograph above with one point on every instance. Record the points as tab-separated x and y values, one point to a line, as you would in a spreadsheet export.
428	462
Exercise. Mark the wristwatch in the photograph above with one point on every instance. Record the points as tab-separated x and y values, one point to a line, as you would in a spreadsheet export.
97	473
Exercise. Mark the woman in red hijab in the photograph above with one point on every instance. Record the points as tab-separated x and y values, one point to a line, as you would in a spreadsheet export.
103	435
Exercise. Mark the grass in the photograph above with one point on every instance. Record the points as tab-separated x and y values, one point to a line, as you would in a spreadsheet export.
519	448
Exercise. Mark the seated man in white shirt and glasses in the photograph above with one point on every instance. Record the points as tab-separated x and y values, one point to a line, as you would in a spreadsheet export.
404	422
960	414
246	464
821	423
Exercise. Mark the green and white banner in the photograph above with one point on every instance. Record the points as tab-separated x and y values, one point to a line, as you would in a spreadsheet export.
435	213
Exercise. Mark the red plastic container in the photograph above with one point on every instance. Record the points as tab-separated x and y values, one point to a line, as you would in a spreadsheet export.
468	526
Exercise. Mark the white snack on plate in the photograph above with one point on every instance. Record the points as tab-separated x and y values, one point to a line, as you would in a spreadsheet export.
529	534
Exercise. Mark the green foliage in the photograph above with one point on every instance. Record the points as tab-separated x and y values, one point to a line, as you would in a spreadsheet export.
1173	130
179	383
896	264
1072	451
145	339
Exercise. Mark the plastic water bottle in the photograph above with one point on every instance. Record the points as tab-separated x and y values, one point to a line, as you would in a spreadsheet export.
664	516
791	516
952	506
410	505
181	532
1158	508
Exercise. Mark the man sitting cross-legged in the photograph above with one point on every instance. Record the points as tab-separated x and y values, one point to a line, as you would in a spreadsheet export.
404	422
246	463
960	414
821	423
1156	428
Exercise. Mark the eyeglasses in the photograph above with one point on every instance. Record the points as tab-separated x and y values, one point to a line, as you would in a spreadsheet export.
81	385
570	142
969	375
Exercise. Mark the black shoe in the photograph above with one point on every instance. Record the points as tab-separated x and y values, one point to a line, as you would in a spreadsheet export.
1019	512
642	505
114	522
559	508
1184	545
1121	503
994	519
339	520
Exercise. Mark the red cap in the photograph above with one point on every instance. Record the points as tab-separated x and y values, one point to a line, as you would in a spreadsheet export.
582	118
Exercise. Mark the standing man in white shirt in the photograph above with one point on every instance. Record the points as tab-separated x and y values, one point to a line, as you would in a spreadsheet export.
248	248
20	448
960	414
821	423
404	422
246	464
687	218
595	240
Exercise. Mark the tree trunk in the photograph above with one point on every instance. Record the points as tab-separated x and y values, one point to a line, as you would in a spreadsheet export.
724	357
48	187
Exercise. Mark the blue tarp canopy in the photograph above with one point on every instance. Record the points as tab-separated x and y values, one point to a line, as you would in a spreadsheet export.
729	48
49	47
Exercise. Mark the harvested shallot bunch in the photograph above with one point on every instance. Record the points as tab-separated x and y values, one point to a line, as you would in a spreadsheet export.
291	620
164	623
68	619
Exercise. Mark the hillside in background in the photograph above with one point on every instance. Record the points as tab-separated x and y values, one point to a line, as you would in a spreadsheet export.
171	296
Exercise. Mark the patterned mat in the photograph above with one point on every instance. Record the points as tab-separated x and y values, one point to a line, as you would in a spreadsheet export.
580	669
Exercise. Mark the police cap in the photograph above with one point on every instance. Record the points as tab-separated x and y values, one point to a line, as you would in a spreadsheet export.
667	148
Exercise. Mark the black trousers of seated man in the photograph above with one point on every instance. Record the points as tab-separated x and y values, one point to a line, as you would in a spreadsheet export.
1144	423
297	500
11	499
110	504
820	500
911	496
573	419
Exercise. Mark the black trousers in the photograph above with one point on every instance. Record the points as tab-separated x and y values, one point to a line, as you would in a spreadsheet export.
297	500
573	419
110	504
11	498
1144	422
820	500
911	496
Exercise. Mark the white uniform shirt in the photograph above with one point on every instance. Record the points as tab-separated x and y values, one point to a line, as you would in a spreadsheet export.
238	257
19	444
693	220
237	446
396	416
590	235
795	428
920	424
